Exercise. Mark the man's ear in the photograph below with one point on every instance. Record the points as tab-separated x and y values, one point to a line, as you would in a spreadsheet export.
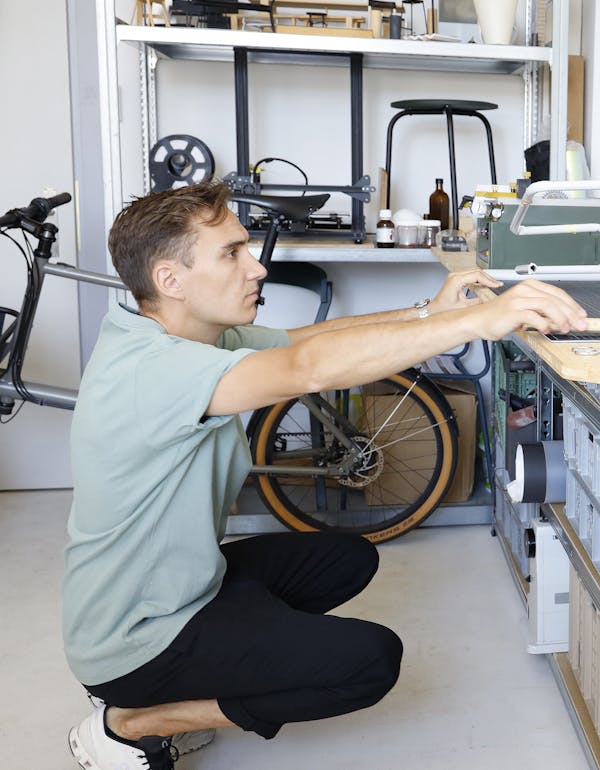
165	278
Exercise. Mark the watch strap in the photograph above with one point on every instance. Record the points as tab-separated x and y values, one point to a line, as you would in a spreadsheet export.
422	307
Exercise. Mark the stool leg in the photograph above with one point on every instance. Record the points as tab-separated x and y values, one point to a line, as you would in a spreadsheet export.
165	12
138	13
490	142
487	448
452	154
388	153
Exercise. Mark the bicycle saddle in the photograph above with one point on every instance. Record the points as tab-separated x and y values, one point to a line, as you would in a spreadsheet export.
296	207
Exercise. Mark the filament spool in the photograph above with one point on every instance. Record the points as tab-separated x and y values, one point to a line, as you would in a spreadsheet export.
179	160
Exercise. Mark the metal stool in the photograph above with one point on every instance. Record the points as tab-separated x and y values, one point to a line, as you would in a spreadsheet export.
449	108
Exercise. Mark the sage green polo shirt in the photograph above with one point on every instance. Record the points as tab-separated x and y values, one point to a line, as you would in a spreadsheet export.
153	483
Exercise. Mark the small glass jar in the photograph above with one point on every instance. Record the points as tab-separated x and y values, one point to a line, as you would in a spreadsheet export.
408	233
428	229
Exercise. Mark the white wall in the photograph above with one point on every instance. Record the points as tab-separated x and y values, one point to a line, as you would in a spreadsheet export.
35	139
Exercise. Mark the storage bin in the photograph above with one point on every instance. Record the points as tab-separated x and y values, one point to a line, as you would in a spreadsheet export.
582	457
584	645
511	520
582	447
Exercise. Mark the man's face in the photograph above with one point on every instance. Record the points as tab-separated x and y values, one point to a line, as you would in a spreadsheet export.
221	287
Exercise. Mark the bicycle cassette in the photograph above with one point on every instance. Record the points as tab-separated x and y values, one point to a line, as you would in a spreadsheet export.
179	160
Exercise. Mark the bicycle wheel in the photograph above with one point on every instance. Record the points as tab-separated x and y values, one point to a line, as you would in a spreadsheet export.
402	436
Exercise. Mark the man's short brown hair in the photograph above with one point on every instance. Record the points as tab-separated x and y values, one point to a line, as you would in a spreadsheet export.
162	225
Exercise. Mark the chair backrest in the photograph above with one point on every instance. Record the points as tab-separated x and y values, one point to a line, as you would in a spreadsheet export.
305	276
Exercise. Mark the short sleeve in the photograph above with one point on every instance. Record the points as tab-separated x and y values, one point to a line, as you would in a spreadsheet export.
174	384
253	336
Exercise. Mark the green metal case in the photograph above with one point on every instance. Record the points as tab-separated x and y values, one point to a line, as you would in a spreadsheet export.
498	248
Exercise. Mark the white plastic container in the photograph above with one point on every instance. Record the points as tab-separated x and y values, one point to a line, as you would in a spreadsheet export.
407	233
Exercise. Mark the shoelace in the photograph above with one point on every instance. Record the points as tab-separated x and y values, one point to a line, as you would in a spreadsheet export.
160	757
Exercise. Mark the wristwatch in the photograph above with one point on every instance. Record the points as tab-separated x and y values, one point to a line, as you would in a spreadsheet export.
422	307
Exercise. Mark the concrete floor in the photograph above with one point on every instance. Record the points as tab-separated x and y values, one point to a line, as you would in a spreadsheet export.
469	696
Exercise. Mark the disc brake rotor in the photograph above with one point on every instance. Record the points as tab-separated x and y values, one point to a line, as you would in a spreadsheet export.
370	467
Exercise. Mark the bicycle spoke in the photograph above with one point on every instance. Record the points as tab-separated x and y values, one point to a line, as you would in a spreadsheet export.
397	464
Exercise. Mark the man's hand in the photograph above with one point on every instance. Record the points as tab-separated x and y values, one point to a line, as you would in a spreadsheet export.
452	294
530	304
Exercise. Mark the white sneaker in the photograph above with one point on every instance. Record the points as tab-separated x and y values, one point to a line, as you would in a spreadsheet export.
94	750
185	743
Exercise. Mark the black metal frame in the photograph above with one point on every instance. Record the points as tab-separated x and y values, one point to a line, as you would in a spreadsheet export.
358	191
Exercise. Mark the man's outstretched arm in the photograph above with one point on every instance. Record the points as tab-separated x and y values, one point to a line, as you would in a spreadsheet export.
364	352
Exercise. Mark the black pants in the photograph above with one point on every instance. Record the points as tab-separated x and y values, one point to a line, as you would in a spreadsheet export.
264	648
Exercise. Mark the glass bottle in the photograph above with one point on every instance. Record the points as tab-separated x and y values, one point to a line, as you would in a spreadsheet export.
385	235
439	204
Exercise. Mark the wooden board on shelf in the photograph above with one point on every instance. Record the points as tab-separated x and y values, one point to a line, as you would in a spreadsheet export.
291	29
575	99
382	188
564	357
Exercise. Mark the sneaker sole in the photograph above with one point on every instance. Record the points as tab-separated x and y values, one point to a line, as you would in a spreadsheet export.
79	753
189	746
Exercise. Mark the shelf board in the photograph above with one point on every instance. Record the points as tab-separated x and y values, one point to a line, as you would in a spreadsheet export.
179	42
576	706
253	518
344	251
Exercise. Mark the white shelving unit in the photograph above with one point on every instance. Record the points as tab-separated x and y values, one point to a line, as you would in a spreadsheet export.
205	45
183	43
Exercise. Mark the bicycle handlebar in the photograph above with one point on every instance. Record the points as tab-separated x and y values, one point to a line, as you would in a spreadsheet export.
38	210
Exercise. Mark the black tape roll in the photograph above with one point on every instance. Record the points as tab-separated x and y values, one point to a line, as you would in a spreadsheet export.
179	160
535	477
540	473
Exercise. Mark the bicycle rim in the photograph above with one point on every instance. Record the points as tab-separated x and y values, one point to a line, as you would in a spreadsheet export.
407	435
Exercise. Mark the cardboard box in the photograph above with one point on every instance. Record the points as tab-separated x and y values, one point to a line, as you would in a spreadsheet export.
463	401
393	487
575	99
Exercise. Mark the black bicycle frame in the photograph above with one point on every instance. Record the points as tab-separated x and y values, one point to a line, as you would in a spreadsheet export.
28	219
47	395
